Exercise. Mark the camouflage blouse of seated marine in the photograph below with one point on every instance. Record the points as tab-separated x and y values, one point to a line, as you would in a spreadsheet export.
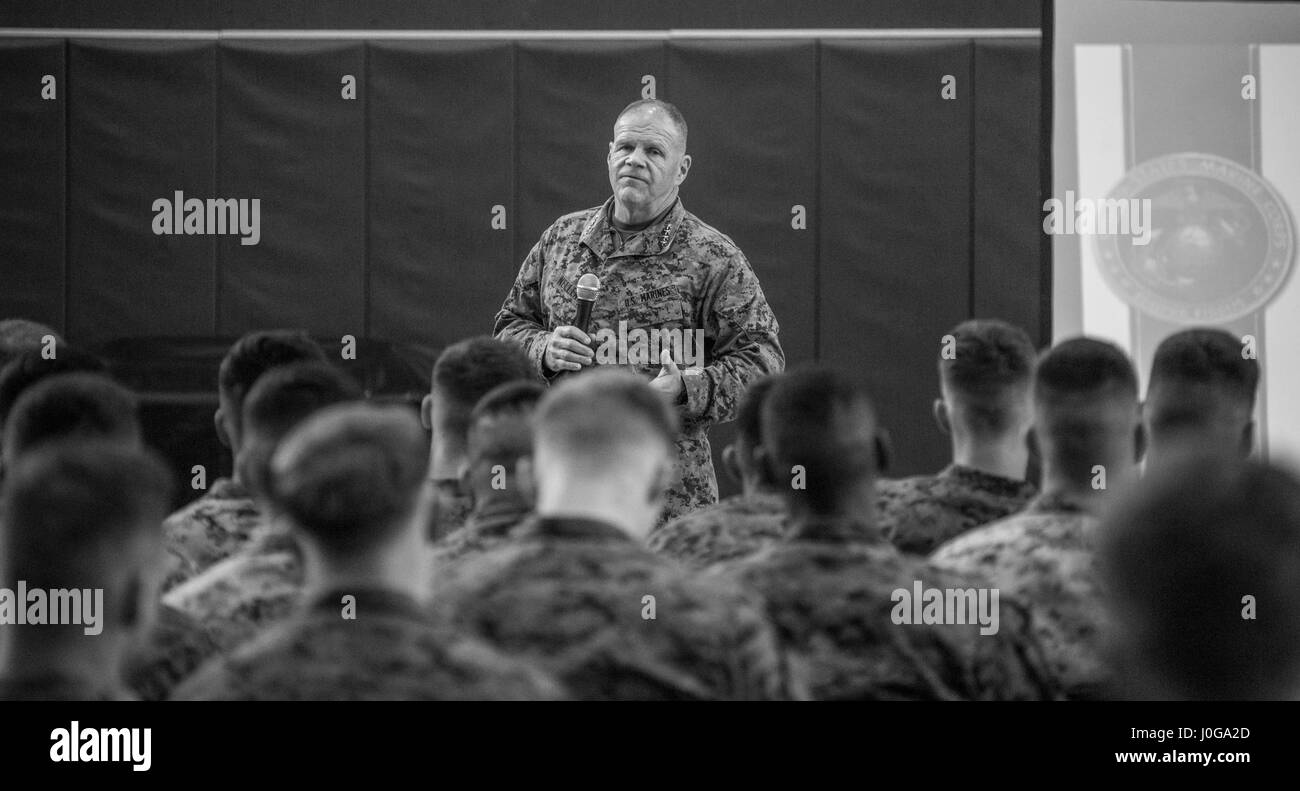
213	527
831	592
614	621
389	649
1044	556
919	513
735	527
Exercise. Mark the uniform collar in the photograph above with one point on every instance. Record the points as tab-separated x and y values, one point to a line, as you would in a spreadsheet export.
370	600
572	528
836	530
1055	503
654	239
986	481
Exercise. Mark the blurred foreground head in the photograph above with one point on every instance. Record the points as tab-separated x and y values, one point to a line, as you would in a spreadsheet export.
251	356
1201	566
604	450
822	444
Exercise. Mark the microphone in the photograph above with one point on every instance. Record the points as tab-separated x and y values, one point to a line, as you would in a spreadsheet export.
588	288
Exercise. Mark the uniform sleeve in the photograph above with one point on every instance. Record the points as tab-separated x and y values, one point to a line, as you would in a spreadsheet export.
737	316
523	316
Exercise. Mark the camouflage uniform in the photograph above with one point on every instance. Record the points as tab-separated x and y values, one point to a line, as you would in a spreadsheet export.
570	593
55	686
488	526
448	506
678	273
212	527
1044	557
733	528
830	593
918	514
242	595
167	653
391	650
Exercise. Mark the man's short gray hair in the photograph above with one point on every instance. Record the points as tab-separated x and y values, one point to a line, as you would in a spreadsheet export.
669	108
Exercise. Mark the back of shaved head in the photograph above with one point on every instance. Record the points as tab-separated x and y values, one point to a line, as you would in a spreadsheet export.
602	418
1201	388
1085	401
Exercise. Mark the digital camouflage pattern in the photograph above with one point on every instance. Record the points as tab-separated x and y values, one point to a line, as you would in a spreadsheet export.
829	588
1045	556
446	506
213	527
242	595
489	525
677	273
572	595
733	528
166	654
391	650
918	514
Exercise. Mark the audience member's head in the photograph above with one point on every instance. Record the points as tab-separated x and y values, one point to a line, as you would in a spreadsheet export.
462	375
347	478
1087	420
251	356
31	366
22	335
70	406
500	443
281	399
604	450
1201	564
985	376
822	445
83	516
1201	393
741	458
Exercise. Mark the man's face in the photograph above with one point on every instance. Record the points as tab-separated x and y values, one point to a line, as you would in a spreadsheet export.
647	162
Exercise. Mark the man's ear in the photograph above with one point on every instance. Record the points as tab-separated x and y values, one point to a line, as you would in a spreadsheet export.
524	478
941	416
1248	439
663	478
219	423
884	451
730	464
426	411
683	169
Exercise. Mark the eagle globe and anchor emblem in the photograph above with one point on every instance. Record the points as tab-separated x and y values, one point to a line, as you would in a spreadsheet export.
1222	241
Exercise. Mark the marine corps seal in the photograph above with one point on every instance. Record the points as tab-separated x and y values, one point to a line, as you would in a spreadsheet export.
1222	241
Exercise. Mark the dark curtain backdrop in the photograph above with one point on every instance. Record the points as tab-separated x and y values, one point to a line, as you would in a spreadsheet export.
377	212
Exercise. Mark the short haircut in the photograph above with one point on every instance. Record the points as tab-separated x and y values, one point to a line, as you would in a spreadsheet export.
29	367
466	371
669	109
1181	552
1071	380
1188	362
491	441
804	425
75	405
279	400
602	415
749	415
350	474
20	335
992	362
258	352
74	514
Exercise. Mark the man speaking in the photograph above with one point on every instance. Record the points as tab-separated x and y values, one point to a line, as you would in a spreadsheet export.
677	301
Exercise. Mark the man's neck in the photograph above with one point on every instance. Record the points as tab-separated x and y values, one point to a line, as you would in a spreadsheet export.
75	656
446	462
1006	457
591	500
631	219
399	566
